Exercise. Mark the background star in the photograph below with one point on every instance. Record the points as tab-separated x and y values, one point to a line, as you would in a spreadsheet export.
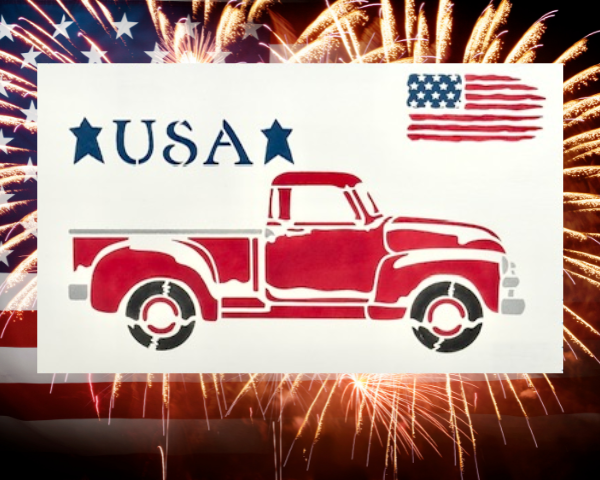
30	171
29	57
30	113
251	29
157	55
94	55
6	29
124	26
5	197
4	255
4	141
30	226
3	85
190	27
219	56
61	28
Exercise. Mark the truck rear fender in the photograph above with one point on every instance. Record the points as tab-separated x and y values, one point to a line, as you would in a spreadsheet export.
401	276
87	252
115	274
184	252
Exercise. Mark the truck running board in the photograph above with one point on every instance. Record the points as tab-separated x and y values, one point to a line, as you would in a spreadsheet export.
341	312
243	303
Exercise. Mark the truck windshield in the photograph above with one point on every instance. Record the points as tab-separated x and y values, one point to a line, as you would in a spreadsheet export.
366	200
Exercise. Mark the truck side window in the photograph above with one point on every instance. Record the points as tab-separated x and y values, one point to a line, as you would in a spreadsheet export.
279	206
316	204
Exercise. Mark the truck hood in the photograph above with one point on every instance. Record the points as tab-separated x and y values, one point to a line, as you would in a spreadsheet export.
403	234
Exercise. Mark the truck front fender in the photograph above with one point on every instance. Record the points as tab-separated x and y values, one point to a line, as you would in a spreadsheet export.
401	275
115	275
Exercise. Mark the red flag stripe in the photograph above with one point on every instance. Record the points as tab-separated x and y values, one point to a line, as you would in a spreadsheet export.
501	96
471	118
18	329
467	138
94	446
499	86
472	128
499	106
490	78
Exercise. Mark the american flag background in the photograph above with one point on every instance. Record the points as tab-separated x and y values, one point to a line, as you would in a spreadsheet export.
302	426
476	108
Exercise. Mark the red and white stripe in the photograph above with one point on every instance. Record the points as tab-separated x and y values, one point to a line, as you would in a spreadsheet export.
495	107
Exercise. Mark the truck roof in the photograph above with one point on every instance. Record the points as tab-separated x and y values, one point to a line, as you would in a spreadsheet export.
335	179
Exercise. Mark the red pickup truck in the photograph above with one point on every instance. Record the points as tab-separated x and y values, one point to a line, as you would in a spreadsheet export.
326	252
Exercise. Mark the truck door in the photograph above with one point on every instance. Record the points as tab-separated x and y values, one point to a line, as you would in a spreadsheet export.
319	246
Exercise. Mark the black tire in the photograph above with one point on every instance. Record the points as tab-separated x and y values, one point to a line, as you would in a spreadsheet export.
462	298
168	292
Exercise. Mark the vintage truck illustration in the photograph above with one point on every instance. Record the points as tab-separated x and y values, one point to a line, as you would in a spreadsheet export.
326	252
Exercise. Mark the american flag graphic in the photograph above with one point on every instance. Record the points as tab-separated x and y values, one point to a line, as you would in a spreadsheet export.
475	108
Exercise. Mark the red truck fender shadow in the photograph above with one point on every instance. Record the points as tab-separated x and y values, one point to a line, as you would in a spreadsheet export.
394	283
119	272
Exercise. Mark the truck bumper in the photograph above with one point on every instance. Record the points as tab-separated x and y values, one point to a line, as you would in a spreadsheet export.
512	306
78	292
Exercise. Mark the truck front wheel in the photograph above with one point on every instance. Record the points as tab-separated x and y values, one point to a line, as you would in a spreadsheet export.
450	315
163	312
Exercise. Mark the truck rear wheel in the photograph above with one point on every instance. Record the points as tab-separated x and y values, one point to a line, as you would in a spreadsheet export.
164	314
448	312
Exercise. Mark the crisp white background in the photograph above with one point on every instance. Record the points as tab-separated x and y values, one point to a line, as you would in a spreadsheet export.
350	118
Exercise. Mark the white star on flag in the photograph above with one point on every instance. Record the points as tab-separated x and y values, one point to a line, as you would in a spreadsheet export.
251	29
124	26
61	28
4	255
30	226
190	27
30	171
219	56
30	113
29	57
3	85
4	141
94	55
6	29
157	55
5	197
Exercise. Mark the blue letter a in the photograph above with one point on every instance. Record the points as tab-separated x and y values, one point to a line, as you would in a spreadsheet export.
235	142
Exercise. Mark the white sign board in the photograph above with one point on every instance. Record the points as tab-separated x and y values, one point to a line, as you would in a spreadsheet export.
300	218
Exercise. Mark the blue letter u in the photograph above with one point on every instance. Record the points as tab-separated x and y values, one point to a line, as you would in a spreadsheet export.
121	124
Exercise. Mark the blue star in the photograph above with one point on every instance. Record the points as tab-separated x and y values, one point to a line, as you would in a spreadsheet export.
277	142
87	141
